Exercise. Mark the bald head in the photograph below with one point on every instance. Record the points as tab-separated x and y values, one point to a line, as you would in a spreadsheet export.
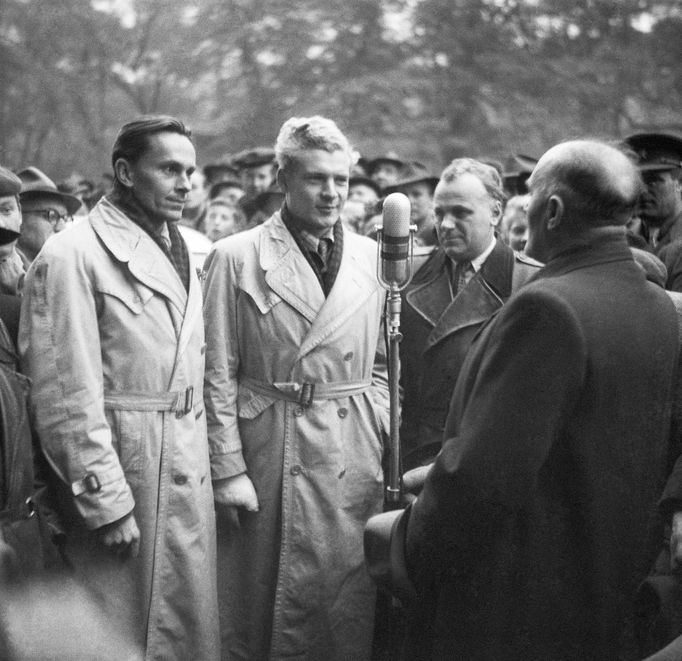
598	184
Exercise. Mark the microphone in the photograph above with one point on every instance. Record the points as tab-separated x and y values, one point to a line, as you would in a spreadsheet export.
395	243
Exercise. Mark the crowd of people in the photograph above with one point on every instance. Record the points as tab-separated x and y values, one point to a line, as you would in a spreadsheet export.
196	410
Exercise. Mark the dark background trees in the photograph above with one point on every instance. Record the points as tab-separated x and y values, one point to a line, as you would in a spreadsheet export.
429	79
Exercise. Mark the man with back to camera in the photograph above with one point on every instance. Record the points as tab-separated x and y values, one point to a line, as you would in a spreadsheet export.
112	338
464	282
296	400
534	526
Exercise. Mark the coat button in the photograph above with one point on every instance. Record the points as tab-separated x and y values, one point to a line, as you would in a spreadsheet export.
343	412
298	411
180	479
348	356
295	470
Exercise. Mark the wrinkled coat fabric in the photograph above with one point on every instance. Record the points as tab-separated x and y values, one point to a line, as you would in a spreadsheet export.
437	333
292	580
107	332
534	527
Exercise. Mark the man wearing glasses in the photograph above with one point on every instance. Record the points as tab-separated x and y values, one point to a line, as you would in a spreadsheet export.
45	211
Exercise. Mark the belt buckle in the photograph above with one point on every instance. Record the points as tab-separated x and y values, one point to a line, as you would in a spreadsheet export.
305	399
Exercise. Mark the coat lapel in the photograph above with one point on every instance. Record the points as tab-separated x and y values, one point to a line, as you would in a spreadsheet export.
287	272
354	284
430	298
484	294
130	244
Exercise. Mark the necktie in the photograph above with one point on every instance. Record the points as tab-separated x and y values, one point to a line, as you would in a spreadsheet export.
462	275
323	249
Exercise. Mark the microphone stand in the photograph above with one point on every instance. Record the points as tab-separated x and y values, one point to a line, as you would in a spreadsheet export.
393	495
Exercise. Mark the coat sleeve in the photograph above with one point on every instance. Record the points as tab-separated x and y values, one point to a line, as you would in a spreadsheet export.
60	352
517	388
222	366
380	393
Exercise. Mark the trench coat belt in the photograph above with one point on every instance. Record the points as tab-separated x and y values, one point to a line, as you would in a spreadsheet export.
307	392
180	401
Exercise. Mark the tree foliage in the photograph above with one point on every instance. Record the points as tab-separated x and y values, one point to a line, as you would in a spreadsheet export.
429	79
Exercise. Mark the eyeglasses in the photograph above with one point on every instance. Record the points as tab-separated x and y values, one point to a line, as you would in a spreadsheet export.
52	216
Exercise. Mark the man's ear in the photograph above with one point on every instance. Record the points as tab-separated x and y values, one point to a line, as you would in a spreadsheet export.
122	172
555	212
282	179
496	211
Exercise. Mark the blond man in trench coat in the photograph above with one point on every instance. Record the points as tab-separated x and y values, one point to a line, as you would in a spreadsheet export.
296	399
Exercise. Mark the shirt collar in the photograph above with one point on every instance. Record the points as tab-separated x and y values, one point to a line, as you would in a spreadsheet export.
477	262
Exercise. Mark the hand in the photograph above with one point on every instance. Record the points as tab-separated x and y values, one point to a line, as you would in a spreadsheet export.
414	479
236	491
122	536
676	542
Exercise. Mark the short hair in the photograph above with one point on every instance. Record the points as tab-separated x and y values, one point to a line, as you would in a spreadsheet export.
132	140
598	182
302	133
487	174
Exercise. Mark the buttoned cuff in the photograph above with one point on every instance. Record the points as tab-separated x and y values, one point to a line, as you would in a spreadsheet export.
102	499
227	465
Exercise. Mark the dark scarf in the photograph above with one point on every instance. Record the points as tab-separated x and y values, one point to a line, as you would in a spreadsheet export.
177	254
326	276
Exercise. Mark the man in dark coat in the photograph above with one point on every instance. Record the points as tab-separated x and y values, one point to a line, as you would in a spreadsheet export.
534	525
438	320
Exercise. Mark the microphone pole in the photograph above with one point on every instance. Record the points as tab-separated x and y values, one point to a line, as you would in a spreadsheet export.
395	240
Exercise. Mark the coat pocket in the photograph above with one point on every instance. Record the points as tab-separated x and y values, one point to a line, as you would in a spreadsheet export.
131	439
264	298
134	295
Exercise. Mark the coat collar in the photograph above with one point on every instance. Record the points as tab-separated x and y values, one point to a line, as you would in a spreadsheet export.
602	250
484	293
130	244
289	275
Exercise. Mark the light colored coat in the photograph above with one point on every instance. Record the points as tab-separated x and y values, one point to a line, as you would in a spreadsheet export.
292	579
113	345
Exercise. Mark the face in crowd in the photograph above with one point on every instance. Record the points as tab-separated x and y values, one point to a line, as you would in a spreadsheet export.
515	222
315	185
386	174
466	216
661	200
161	177
222	219
10	217
42	216
257	179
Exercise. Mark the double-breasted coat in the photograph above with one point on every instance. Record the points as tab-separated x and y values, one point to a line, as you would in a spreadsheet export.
536	523
293	583
113	345
438	328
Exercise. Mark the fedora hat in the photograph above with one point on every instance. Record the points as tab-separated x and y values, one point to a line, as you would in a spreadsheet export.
35	183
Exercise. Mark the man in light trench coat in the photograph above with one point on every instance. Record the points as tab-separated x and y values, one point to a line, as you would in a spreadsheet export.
112	339
296	401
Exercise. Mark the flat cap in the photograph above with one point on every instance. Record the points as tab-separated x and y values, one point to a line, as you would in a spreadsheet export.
10	184
517	169
253	157
35	183
413	172
390	157
656	151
